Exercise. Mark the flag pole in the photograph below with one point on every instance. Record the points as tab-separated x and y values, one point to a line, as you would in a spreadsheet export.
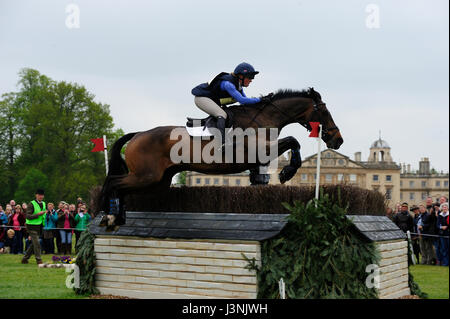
318	162
106	153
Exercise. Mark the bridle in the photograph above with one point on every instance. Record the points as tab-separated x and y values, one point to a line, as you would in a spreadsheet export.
326	137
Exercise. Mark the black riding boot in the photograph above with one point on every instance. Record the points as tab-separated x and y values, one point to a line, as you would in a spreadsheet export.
221	127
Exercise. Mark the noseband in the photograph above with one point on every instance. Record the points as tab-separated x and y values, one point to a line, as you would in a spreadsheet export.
326	137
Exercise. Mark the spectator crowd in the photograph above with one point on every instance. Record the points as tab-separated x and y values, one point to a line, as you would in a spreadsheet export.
56	231
428	225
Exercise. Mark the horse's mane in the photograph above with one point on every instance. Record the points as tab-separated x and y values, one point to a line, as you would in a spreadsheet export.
288	93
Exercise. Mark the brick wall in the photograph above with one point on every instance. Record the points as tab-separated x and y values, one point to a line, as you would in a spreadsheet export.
155	268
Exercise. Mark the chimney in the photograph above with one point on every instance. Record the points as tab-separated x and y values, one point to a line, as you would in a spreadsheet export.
358	157
424	166
409	168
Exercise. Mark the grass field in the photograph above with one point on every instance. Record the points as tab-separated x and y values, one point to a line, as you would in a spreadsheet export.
18	281
433	280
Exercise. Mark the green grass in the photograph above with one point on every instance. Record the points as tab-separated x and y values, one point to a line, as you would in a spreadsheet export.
432	280
27	281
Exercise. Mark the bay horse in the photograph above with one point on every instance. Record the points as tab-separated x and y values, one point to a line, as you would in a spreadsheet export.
148	165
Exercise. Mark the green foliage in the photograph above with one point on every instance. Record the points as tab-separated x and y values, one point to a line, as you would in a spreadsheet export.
86	263
413	286
181	178
318	254
33	180
47	125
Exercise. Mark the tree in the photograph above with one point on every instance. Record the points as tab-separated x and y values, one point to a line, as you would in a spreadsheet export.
33	180
47	125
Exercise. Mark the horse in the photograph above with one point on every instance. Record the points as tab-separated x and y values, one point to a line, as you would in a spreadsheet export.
148	165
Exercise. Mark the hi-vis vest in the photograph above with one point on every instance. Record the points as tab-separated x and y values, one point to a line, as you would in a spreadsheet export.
41	219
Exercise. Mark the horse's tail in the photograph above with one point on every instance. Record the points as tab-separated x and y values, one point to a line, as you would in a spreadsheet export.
117	165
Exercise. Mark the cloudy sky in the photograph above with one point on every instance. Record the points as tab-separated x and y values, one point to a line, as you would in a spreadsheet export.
379	65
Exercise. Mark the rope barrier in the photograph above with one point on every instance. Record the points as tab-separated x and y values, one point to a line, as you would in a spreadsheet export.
3	226
428	235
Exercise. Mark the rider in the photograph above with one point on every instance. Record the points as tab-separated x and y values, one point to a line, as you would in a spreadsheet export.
225	89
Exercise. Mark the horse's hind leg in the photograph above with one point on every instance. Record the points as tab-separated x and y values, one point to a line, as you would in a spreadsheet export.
120	186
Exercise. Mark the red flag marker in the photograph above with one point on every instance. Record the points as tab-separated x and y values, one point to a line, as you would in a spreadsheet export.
314	129
99	146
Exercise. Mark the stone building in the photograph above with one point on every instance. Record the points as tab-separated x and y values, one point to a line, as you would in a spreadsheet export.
380	172
417	185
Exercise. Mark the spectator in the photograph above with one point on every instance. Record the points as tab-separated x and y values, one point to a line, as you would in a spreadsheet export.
82	219
403	219
436	242
66	221
443	231
51	218
12	203
34	221
443	200
397	208
3	217
73	210
57	234
415	238
426	243
8	241
17	221
24	207
8	210
389	213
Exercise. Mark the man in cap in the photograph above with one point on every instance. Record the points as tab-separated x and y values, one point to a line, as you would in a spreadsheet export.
403	219
35	219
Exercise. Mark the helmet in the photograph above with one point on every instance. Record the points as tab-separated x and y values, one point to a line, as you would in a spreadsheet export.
246	70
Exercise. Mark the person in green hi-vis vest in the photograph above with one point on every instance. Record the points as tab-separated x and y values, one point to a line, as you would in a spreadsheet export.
35	220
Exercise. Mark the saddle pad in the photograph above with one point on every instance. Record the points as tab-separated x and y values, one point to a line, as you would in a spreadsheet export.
199	131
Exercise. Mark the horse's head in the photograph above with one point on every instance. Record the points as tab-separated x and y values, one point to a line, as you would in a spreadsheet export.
319	113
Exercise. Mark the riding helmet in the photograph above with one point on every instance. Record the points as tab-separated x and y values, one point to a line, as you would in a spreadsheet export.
246	70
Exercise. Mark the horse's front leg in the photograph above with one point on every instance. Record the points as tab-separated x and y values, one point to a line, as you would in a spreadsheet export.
290	170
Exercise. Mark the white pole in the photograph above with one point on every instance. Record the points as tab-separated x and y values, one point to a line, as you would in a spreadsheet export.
413	257
106	154
318	161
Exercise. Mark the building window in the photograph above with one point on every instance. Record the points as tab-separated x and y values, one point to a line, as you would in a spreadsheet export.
401	195
206	181
341	162
352	177
225	181
401	183
375	178
304	177
238	182
411	183
340	177
328	177
424	196
216	181
388	193
328	155
389	178
424	184
445	183
315	176
198	180
411	196
438	183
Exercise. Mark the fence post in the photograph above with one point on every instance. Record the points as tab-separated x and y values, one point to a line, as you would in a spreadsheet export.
413	257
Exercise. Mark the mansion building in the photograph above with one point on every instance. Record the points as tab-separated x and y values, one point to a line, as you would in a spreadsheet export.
395	181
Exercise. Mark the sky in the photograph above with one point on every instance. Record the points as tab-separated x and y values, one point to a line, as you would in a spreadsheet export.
380	65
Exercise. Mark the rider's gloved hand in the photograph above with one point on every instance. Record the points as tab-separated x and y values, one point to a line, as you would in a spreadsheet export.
267	98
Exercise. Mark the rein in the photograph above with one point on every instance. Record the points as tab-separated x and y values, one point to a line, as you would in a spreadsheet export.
304	124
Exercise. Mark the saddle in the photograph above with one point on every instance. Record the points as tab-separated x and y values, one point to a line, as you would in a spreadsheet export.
210	121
